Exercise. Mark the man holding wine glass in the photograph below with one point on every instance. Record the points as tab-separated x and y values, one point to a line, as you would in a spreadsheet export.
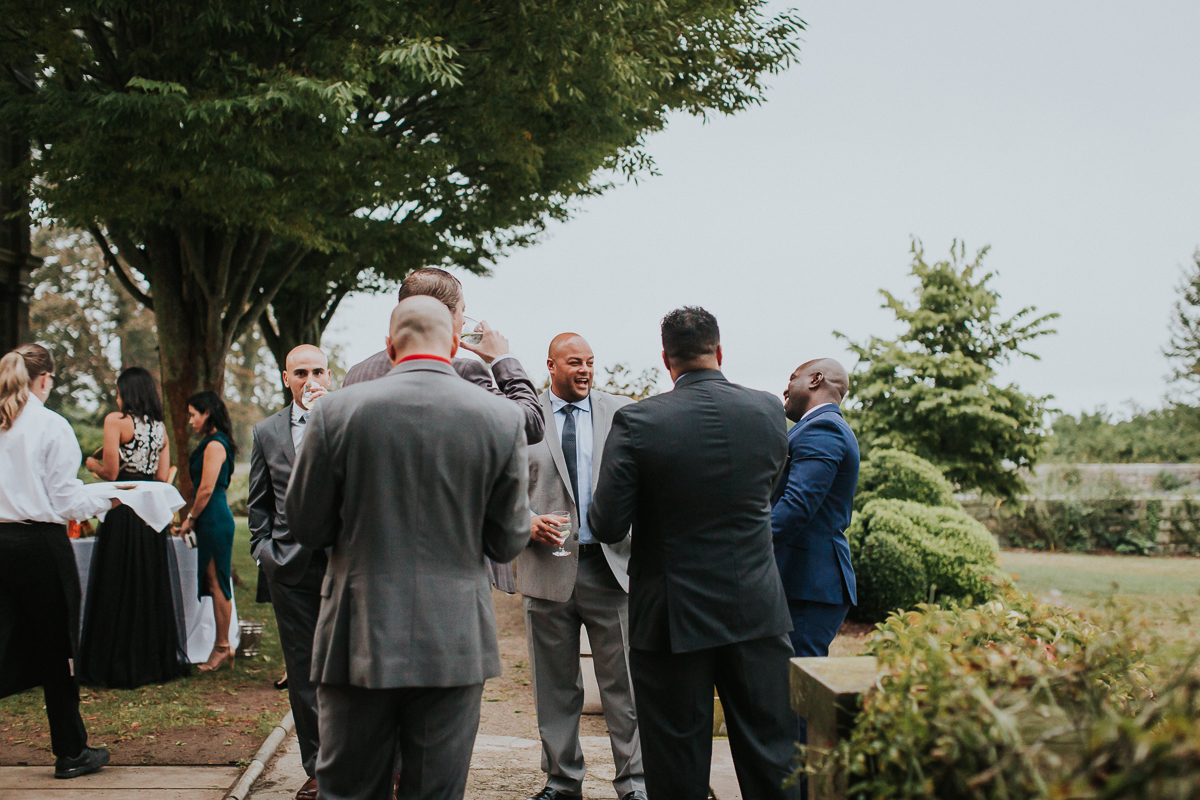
569	580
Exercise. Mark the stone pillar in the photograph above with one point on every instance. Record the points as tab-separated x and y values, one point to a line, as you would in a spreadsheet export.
16	263
825	692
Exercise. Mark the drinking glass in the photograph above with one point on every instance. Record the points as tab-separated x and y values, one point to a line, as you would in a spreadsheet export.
565	530
469	334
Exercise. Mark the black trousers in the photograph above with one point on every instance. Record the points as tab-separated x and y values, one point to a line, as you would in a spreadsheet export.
296	610
362	731
674	697
39	623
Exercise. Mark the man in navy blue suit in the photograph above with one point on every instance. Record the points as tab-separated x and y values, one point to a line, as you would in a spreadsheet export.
812	507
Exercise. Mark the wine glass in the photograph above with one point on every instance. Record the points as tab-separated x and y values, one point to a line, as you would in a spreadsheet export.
565	530
469	334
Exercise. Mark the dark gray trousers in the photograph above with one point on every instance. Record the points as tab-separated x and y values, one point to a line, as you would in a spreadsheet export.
599	603
675	713
362	731
296	610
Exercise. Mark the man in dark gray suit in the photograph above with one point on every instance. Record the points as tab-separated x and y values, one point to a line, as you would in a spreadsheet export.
693	471
499	372
293	572
583	583
412	479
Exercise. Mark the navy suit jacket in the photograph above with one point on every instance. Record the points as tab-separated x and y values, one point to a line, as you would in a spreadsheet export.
812	507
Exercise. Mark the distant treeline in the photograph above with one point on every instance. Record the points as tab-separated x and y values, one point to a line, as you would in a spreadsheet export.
1166	435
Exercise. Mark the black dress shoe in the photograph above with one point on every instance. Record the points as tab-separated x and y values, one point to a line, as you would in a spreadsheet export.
87	762
636	794
550	793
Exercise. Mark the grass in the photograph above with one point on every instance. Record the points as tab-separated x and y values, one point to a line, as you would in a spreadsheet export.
117	715
1165	591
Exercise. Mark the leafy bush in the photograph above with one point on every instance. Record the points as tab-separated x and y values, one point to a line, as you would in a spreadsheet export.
238	492
897	475
993	701
905	553
1184	522
1168	481
1081	525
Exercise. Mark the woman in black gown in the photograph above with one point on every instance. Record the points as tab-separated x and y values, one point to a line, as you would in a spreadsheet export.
132	624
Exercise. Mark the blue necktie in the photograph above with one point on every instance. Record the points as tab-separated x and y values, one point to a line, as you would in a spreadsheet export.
568	446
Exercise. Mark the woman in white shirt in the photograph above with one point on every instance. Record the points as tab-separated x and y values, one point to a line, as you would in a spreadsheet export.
39	584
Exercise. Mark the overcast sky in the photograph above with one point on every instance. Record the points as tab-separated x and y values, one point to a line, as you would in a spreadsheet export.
1066	136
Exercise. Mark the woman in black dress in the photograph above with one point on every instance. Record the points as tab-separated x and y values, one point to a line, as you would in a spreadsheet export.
132	625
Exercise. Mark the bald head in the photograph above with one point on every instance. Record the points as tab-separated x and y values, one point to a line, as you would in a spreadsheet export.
815	383
305	364
571	366
421	325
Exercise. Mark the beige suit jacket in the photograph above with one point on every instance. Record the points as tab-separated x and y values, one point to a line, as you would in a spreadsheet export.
540	574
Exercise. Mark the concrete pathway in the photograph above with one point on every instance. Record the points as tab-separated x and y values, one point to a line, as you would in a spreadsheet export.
504	768
119	783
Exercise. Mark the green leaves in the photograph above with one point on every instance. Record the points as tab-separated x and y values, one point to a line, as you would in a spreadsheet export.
932	390
430	60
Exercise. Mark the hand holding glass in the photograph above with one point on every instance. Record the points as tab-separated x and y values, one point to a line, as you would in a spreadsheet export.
469	334
564	529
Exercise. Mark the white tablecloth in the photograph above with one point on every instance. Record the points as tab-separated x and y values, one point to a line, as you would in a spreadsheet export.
200	625
155	502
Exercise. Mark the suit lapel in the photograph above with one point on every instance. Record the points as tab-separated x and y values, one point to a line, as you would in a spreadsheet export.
555	445
283	429
601	423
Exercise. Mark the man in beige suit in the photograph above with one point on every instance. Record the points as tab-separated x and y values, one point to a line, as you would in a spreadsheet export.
412	479
585	585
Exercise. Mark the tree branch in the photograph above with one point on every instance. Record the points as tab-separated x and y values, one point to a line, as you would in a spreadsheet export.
268	293
123	277
193	249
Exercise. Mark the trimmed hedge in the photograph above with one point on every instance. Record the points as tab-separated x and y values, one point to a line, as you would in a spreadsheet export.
897	475
906	553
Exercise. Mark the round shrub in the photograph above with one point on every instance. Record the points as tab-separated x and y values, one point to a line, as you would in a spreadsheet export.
897	475
906	553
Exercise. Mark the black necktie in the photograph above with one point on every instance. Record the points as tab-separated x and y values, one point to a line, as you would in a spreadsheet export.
568	446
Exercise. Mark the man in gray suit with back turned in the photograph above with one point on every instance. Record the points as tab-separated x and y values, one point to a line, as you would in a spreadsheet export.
412	479
293	572
588	586
496	369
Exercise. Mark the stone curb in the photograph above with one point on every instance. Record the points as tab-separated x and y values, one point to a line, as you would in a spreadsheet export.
259	762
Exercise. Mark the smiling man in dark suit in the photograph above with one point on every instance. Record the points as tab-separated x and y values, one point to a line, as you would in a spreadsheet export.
693	470
812	508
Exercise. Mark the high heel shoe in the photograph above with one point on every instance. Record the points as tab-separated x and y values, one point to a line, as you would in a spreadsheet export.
219	657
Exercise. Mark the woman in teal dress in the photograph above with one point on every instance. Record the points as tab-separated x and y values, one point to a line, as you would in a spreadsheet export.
210	466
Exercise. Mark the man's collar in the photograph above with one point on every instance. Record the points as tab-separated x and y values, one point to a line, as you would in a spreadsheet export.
297	411
697	375
815	409
557	403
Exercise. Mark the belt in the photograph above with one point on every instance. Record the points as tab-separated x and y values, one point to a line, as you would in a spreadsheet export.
590	549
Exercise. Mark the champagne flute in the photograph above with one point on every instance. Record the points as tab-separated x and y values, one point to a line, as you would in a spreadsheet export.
565	530
469	334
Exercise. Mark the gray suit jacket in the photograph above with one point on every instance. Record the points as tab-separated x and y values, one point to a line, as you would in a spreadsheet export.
506	378
272	455
412	478
540	574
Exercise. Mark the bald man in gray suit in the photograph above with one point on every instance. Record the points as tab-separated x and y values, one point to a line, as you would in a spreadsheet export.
412	479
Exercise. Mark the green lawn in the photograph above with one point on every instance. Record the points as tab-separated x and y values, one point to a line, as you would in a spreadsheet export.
1166	591
216	701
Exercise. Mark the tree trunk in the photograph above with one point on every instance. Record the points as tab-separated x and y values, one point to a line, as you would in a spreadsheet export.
299	317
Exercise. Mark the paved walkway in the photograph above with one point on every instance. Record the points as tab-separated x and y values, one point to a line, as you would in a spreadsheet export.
119	783
504	768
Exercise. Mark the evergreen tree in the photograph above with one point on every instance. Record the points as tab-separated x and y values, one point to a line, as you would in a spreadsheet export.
933	392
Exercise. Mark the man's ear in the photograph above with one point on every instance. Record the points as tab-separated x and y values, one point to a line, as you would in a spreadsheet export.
287	380
720	356
816	380
391	349
666	362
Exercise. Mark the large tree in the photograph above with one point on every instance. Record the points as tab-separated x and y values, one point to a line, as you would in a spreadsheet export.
212	147
932	390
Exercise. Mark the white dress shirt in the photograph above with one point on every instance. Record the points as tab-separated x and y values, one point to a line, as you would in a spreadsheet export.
583	455
298	426
39	466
